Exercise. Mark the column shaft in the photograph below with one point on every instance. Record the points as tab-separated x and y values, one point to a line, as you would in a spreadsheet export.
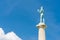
41	34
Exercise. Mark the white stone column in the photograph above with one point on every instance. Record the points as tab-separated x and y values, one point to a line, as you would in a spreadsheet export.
41	34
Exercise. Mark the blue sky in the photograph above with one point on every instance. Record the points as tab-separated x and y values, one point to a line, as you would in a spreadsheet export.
21	16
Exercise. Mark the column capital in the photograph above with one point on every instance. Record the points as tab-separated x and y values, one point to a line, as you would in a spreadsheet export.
41	25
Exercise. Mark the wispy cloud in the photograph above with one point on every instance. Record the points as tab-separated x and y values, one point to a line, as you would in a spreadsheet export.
8	36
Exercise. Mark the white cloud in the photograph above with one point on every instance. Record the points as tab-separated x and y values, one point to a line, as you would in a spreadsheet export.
8	36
